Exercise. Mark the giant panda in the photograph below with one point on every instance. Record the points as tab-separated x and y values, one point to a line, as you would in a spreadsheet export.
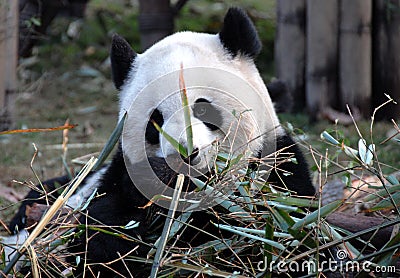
143	80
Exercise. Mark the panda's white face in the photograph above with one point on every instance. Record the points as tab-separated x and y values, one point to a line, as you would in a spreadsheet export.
228	99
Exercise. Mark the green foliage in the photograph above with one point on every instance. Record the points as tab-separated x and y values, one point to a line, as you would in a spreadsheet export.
177	146
33	21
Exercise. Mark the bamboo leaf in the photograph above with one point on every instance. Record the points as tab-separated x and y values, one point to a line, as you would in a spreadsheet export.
235	160
313	217
199	183
36	21
243	192
233	229
269	235
77	260
294	201
282	218
223	157
131	225
101	230
351	152
366	154
330	138
392	179
88	200
218	245
114	137
383	193
261	232
362	149
181	149
277	205
220	198
387	203
370	154
186	111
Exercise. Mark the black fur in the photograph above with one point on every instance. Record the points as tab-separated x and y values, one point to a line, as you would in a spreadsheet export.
152	135
294	176
280	96
238	34
207	113
122	57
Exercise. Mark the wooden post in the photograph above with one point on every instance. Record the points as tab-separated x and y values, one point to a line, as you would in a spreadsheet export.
321	53
290	47
355	56
8	60
156	21
3	51
386	59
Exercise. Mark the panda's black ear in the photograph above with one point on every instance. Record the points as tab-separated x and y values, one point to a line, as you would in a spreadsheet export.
122	57
238	34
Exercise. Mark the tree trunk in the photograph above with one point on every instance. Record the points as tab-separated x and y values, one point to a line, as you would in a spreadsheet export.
321	53
386	58
355	55
8	60
156	21
290	47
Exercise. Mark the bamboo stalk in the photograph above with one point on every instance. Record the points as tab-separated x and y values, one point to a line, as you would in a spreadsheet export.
167	225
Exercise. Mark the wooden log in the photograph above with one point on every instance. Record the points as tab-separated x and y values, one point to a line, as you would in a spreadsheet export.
321	55
290	47
357	222
355	69
386	58
35	213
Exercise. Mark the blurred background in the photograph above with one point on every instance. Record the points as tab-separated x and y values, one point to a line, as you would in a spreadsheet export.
333	56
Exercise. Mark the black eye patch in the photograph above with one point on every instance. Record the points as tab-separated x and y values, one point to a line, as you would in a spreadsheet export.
207	113
152	135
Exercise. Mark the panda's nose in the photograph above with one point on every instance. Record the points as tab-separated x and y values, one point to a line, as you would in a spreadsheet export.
191	159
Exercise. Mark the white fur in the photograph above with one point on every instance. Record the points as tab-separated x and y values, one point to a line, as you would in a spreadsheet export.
80	196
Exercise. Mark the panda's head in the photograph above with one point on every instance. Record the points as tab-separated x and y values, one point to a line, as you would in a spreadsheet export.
227	97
